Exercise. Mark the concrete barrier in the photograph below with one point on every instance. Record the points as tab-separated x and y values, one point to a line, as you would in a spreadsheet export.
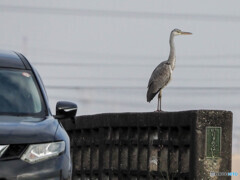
167	145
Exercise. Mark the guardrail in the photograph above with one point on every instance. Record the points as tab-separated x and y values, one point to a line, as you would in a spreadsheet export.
166	145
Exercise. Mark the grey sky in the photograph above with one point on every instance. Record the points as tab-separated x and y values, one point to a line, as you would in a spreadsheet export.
101	54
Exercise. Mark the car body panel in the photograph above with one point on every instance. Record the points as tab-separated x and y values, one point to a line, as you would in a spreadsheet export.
61	134
51	168
20	130
9	59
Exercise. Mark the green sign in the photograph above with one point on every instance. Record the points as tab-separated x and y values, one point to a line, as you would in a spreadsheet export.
213	142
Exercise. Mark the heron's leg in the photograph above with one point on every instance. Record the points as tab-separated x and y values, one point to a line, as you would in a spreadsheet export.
159	108
160	100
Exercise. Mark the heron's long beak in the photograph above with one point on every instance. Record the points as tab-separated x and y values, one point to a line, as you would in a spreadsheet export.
186	33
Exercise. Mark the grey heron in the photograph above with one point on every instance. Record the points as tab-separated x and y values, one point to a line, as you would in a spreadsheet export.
161	75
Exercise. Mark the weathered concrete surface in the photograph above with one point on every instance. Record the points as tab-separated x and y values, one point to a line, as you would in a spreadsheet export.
203	165
151	145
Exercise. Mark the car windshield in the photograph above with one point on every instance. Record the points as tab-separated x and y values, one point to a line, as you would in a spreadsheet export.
19	94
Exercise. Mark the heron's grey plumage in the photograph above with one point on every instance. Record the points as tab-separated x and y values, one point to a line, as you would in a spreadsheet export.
158	80
161	75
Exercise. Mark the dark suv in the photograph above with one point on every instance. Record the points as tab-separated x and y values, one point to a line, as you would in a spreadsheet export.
33	143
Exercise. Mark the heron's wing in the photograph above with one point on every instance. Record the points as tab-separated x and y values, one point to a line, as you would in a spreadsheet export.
160	77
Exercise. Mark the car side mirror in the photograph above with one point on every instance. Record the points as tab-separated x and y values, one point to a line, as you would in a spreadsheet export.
65	109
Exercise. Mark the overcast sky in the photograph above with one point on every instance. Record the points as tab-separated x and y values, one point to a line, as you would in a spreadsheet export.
100	54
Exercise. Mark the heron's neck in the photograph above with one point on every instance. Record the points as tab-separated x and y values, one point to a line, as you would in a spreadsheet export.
172	57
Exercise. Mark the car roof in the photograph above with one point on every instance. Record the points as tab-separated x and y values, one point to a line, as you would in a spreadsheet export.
11	59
